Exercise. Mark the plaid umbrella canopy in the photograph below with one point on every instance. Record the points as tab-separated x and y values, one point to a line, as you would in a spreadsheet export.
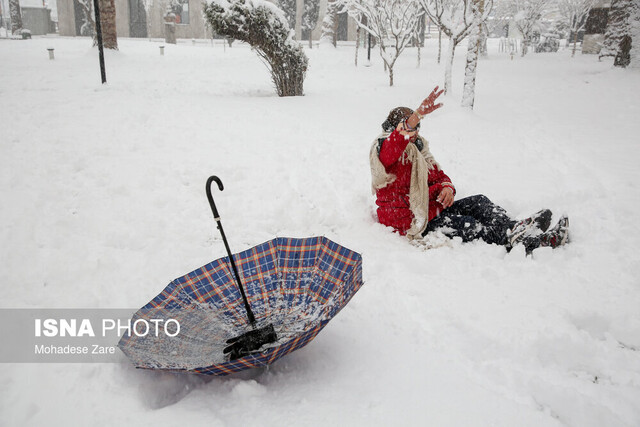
297	285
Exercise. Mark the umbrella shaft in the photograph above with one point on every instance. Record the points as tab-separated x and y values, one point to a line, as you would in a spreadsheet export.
247	307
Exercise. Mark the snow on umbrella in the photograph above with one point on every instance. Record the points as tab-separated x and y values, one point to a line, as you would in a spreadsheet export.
295	285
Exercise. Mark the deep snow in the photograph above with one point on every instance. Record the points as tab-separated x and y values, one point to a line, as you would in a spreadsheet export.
103	205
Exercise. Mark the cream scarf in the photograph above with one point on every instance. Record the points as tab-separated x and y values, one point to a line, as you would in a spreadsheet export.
422	161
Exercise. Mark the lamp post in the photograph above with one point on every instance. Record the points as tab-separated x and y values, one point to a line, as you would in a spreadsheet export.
103	72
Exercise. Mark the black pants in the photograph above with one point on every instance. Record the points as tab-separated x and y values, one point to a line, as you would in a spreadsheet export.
471	218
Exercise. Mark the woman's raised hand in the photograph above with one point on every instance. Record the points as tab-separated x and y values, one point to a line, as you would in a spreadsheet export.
429	105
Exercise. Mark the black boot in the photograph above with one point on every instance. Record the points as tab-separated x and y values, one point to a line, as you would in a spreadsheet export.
529	227
555	237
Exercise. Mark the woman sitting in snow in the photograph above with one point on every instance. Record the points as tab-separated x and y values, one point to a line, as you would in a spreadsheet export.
415	196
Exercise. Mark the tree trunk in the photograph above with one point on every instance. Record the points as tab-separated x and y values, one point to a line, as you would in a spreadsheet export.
108	23
469	91
635	37
16	16
357	44
575	42
390	75
449	66
439	44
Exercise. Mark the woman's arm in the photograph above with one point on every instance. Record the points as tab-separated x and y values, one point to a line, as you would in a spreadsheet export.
392	148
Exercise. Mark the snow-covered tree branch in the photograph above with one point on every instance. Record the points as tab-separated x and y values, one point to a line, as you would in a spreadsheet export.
391	22
526	14
574	14
455	18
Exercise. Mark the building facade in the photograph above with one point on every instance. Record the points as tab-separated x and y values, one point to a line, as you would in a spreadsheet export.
137	18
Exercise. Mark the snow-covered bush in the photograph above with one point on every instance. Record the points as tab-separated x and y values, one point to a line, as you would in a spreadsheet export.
265	28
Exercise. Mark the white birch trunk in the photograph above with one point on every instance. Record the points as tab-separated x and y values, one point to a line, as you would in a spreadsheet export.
357	44
473	52
439	44
449	66
469	90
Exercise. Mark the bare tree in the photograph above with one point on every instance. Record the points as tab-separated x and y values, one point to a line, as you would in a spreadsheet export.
574	13
454	18
16	16
526	15
391	22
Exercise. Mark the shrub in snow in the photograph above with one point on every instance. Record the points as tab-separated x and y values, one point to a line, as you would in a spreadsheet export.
265	28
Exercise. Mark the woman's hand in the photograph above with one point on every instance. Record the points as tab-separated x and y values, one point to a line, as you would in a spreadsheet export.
428	105
445	198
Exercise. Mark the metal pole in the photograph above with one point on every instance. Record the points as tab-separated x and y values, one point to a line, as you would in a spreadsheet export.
103	73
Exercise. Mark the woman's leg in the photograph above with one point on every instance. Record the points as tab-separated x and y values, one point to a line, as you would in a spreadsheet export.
483	210
474	217
452	225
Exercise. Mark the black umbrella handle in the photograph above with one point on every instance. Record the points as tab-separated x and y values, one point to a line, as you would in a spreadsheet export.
216	216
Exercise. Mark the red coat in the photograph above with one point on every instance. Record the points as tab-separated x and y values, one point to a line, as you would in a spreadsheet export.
393	200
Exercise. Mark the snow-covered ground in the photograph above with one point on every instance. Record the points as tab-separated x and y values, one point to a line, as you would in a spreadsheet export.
103	204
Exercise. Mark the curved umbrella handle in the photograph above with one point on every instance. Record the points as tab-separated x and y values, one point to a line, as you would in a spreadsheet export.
216	216
210	197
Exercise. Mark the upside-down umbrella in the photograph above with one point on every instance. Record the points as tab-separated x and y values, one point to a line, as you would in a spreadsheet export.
288	289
